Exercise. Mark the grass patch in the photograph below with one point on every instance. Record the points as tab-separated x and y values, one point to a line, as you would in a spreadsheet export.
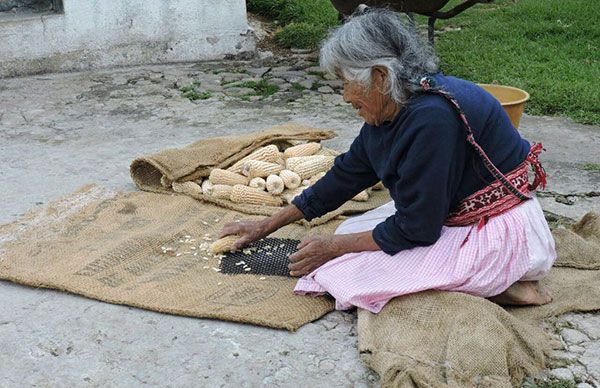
591	167
550	383
192	93
301	35
297	87
550	48
316	85
304	22
261	88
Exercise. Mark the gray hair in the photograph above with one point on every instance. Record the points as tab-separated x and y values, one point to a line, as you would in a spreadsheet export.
379	37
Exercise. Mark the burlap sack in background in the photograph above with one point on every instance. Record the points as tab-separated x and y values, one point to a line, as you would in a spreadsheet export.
109	247
579	246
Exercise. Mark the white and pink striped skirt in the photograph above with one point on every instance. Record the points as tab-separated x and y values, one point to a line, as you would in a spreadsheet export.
516	245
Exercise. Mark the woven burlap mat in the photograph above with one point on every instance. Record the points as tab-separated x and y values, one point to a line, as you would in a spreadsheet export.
136	249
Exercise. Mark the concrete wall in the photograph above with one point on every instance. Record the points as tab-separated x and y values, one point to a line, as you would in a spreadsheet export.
102	33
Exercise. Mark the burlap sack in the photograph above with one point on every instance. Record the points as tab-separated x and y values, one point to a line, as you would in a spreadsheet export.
439	339
197	159
156	172
111	247
579	246
446	339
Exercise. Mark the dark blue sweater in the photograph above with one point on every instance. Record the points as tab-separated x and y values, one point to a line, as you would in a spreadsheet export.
423	158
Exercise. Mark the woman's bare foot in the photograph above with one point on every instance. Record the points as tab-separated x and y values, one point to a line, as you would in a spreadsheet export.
524	293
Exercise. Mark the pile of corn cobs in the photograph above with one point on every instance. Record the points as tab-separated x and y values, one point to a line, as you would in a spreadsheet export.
268	176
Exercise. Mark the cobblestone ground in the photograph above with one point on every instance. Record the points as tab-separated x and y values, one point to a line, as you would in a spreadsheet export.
61	131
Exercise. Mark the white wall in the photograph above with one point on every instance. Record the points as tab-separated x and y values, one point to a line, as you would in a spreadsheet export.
102	33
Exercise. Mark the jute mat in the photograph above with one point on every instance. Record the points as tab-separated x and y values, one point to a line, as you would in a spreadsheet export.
136	249
441	339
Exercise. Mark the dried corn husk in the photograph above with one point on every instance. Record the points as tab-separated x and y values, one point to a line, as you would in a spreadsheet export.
275	184
165	182
223	177
250	195
291	180
207	187
363	196
302	150
222	191
258	183
224	244
258	168
378	186
281	161
189	188
268	153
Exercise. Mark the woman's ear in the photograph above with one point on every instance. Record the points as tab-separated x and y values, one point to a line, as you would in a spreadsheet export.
379	75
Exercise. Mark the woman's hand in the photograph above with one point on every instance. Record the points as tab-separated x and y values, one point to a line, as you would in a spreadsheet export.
249	231
312	253
315	251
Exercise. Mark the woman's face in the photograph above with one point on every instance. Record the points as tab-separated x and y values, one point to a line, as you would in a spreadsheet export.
372	105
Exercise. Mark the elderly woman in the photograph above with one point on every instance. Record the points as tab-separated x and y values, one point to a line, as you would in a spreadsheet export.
462	217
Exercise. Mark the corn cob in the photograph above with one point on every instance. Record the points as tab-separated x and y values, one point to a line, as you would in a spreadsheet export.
258	183
223	244
269	153
378	186
189	188
296	160
363	196
302	150
291	180
223	177
207	187
313	179
258	168
275	184
313	167
250	195
222	191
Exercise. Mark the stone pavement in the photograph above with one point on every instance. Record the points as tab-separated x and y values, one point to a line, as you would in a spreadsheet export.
58	132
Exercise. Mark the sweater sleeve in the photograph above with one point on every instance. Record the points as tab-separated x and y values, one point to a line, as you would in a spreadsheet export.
429	176
350	174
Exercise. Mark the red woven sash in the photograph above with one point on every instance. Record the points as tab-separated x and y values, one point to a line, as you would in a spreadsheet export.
495	199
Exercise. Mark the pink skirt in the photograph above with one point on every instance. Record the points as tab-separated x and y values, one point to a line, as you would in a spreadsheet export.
516	245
